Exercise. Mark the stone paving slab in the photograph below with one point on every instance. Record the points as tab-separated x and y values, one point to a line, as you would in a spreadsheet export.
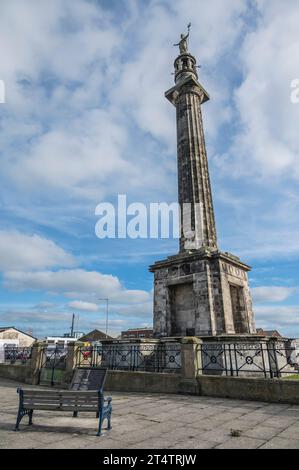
261	432
281	443
291	432
195	444
241	443
153	421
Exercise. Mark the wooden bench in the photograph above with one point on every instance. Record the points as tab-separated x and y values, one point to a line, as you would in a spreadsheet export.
65	400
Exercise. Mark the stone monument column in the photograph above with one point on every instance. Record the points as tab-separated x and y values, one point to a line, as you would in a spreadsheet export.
194	186
200	291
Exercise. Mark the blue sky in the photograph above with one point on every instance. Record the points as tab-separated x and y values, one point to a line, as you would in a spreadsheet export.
85	119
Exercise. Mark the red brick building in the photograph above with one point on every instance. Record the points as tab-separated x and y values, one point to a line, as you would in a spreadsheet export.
140	333
275	333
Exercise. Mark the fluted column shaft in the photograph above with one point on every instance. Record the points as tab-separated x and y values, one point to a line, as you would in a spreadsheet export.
193	174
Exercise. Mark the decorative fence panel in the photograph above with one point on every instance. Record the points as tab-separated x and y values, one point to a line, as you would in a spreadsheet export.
237	359
53	364
135	357
90	356
17	355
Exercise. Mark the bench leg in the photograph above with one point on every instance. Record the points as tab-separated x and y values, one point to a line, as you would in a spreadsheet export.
30	417
109	423
19	417
100	423
21	413
75	414
102	418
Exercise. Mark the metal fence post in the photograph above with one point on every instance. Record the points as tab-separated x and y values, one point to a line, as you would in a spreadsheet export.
231	361
270	359
263	359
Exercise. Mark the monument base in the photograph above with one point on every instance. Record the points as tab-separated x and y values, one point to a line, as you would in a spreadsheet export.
202	293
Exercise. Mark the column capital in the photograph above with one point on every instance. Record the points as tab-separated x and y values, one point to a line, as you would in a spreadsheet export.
191	82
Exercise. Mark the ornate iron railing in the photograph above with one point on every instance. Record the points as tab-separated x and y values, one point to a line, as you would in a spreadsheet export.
237	359
90	356
16	354
53	363
134	357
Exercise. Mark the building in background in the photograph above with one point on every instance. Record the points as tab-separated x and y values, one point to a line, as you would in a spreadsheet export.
58	344
76	335
60	339
15	337
137	333
14	343
274	333
94	336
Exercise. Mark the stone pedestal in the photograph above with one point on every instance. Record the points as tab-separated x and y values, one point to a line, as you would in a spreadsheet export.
202	293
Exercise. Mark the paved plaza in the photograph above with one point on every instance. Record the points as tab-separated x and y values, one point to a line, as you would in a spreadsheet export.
147	421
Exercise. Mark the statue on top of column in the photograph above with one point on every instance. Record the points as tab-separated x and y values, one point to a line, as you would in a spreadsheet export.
183	44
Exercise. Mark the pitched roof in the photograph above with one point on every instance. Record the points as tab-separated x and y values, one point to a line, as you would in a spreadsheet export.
94	335
4	328
276	333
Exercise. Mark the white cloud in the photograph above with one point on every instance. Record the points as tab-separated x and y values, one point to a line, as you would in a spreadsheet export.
283	318
58	67
33	317
259	219
135	312
84	306
77	282
69	282
19	251
76	159
132	297
71	112
44	306
57	322
271	293
63	37
215	27
268	141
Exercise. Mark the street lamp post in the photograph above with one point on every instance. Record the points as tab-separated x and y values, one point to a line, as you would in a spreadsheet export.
107	314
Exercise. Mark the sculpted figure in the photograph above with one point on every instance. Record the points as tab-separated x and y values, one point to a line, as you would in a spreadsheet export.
183	44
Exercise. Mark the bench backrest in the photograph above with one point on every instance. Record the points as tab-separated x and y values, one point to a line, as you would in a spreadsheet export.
89	378
61	400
